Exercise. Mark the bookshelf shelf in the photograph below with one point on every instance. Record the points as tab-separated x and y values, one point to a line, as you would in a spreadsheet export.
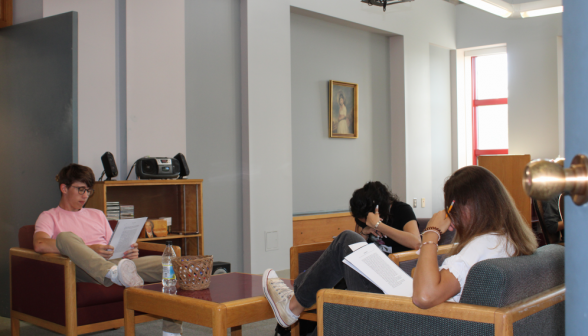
179	199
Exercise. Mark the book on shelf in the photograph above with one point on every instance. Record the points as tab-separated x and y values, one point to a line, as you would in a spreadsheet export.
369	261
113	210
127	211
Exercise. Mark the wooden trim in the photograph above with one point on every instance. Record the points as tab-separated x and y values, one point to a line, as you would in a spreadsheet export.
219	321
411	255
295	251
320	302
506	316
71	306
53	258
148	182
457	311
321	216
158	247
246	311
6	13
38	322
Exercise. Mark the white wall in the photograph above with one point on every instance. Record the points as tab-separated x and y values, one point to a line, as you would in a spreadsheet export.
26	10
326	170
96	77
532	62
156	79
421	23
213	122
440	124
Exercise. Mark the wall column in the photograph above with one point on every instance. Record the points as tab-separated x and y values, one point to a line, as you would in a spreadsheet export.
266	133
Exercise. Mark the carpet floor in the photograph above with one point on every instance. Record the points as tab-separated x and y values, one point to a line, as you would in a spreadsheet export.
152	328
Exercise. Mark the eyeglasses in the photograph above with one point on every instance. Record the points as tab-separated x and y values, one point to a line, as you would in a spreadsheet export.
82	190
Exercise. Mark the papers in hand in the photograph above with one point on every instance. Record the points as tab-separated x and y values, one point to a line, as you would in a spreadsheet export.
125	234
369	261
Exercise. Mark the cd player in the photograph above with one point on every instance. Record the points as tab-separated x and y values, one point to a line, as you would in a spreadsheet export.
157	168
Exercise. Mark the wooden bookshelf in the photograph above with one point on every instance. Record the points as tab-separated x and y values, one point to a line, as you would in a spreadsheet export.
179	199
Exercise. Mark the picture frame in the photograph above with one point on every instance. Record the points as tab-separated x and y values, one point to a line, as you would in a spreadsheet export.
343	98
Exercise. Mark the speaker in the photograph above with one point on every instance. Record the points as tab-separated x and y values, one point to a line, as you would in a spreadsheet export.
109	166
184	170
221	267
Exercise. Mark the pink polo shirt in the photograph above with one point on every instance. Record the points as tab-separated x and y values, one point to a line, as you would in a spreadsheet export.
89	224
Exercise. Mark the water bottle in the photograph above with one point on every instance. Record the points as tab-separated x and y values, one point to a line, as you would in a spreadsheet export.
169	277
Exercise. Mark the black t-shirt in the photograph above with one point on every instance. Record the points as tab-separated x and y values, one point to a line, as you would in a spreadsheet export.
400	214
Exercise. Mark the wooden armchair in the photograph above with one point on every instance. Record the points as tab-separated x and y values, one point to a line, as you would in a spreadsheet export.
505	296
44	292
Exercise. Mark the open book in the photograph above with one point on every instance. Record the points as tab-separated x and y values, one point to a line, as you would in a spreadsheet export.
369	261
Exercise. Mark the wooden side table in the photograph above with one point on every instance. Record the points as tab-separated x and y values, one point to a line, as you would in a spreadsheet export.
232	300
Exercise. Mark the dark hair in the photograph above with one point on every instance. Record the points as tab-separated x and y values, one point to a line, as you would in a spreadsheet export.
75	173
364	201
490	209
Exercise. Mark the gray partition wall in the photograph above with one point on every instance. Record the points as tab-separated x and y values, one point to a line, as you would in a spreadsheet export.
38	118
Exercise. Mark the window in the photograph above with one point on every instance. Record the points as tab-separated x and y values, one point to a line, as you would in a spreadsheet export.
489	94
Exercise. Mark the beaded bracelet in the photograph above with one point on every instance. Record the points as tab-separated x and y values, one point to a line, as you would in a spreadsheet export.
434	228
438	235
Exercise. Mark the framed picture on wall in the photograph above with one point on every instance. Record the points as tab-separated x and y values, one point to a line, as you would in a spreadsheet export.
342	110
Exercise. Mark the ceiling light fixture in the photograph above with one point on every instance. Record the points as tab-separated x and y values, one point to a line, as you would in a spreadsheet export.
542	7
496	7
384	3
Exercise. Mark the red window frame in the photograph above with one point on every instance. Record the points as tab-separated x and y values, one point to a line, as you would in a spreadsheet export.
482	102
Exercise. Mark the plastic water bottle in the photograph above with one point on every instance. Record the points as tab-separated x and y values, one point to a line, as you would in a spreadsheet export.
169	277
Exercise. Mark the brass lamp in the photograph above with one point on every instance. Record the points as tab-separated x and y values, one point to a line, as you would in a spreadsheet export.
545	179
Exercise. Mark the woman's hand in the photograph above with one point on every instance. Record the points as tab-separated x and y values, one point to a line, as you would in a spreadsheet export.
441	221
368	230
373	218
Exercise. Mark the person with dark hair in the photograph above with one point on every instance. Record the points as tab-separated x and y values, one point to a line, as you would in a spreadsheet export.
391	222
83	234
487	224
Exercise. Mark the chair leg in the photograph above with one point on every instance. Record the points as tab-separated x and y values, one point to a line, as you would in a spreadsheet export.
295	329
15	326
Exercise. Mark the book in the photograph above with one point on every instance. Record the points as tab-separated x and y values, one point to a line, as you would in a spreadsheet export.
369	261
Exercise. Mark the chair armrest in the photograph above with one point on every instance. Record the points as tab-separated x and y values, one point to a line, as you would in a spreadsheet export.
53	258
295	252
158	247
411	255
460	311
506	316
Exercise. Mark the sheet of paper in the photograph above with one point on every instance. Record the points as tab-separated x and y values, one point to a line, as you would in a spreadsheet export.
357	246
375	266
125	234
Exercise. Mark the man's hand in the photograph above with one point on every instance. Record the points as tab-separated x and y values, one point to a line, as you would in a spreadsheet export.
133	253
105	251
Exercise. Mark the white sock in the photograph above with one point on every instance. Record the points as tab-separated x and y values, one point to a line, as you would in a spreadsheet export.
165	333
113	275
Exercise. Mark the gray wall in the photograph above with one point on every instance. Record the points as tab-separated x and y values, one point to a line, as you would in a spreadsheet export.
327	170
532	80
440	123
213	122
38	108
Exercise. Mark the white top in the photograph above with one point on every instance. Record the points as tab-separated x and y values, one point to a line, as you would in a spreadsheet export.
484	247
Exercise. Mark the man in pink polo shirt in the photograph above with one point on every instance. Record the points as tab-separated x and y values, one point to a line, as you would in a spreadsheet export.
83	234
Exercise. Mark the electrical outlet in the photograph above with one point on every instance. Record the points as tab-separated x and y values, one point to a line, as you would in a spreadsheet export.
422	202
414	202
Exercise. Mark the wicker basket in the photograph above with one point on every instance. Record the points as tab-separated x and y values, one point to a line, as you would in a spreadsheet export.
193	272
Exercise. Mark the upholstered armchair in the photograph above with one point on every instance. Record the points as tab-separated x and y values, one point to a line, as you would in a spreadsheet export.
44	292
506	296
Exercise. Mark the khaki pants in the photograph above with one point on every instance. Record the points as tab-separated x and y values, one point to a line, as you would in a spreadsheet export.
91	267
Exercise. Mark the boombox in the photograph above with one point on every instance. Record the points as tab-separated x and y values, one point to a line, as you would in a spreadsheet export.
157	168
